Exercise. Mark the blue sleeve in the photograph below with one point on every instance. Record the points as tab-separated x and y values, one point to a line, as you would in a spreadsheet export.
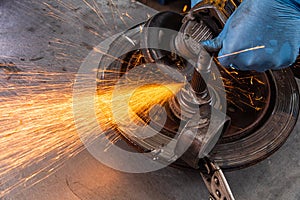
194	2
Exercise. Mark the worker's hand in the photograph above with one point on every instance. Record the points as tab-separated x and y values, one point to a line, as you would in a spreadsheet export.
272	27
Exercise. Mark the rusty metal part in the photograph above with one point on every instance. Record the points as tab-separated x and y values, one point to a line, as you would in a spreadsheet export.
195	94
248	101
296	67
192	33
251	145
205	138
272	130
226	8
156	37
193	97
202	133
215	181
193	103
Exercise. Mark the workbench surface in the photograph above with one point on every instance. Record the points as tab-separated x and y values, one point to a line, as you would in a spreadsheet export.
26	32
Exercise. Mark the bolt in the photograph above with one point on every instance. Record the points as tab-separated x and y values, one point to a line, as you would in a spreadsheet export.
186	36
216	181
218	193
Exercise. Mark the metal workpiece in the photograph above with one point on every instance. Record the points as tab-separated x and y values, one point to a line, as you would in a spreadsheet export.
187	103
193	106
202	133
194	96
156	33
193	103
225	7
296	67
215	181
192	32
187	43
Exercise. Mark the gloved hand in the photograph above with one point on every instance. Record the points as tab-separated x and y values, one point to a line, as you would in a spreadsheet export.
194	2
274	24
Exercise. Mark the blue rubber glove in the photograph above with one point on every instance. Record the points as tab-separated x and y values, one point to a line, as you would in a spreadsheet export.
274	25
194	2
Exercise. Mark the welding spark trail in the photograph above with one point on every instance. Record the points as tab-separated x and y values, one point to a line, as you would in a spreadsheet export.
38	133
242	51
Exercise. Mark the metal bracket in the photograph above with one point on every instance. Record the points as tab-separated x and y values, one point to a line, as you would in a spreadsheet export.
215	181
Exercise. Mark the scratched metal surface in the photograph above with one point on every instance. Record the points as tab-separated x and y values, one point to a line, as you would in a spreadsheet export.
25	35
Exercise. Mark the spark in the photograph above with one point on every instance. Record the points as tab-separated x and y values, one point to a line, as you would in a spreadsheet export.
96	10
241	89
185	8
129	16
111	56
251	100
242	51
7	65
67	18
247	104
66	5
99	13
37	127
38	132
139	102
259	81
64	42
60	15
148	16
